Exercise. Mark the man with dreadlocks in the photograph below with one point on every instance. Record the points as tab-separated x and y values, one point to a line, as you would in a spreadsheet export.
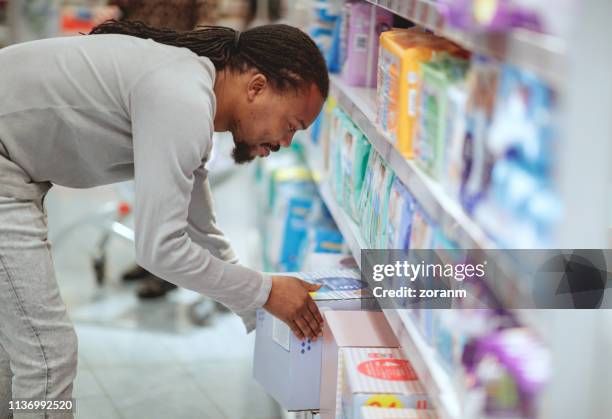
136	102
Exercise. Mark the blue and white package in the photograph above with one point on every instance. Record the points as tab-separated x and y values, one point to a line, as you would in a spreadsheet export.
399	216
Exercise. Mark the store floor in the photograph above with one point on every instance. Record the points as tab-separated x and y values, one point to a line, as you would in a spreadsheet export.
145	359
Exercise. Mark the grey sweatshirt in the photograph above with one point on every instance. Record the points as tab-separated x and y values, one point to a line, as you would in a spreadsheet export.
92	110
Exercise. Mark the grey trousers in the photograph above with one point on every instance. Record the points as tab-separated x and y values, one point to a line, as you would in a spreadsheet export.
38	344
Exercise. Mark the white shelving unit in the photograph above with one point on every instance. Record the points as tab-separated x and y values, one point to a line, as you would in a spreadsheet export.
583	153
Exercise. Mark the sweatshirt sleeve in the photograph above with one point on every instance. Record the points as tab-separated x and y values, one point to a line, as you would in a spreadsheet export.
202	222
172	112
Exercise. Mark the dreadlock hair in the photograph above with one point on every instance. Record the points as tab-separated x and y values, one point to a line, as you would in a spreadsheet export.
284	54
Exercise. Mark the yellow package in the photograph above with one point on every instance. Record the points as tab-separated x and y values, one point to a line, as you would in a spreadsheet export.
399	66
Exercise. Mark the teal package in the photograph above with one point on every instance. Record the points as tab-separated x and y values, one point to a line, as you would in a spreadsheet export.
361	153
367	193
354	157
339	132
380	204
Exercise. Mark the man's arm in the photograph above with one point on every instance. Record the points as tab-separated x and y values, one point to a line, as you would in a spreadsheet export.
172	114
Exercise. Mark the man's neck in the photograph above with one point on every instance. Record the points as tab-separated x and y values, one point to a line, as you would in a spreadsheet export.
223	93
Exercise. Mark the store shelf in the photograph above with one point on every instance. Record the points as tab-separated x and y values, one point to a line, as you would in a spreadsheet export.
360	105
436	381
541	54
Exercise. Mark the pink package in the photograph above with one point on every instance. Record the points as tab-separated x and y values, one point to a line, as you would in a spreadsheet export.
365	24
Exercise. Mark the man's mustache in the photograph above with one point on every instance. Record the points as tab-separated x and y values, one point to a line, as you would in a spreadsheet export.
273	147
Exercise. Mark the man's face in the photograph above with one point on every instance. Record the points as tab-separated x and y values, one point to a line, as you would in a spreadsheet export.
268	119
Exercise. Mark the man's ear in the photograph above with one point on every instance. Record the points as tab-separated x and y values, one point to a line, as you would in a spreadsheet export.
257	85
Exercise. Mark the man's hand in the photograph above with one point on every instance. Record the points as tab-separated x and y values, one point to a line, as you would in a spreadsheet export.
290	302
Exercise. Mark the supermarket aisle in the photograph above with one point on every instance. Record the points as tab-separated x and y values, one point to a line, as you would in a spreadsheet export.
146	360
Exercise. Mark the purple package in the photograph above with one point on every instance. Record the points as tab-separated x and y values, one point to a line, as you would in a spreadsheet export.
498	16
365	24
513	367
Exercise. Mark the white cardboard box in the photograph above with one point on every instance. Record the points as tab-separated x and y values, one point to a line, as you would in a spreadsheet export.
289	369
347	329
379	377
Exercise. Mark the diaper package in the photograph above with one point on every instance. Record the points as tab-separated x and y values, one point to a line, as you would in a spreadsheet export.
365	23
401	53
355	150
438	75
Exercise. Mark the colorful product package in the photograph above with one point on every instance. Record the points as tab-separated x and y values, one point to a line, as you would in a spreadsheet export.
452	160
400	214
339	331
379	377
288	368
367	192
400	55
510	369
338	134
438	75
369	412
381	187
521	138
365	24
355	150
286	256
422	231
477	157
326	137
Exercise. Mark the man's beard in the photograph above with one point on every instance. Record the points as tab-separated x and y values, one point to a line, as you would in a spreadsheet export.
242	152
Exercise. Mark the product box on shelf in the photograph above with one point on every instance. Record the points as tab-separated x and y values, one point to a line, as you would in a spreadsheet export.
399	216
354	153
521	138
401	53
381	186
344	137
452	160
364	24
339	331
509	370
422	230
288	368
367	195
478	160
369	412
379	377
438	75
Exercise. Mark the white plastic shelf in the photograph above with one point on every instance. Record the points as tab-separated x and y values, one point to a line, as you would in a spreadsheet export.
539	53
